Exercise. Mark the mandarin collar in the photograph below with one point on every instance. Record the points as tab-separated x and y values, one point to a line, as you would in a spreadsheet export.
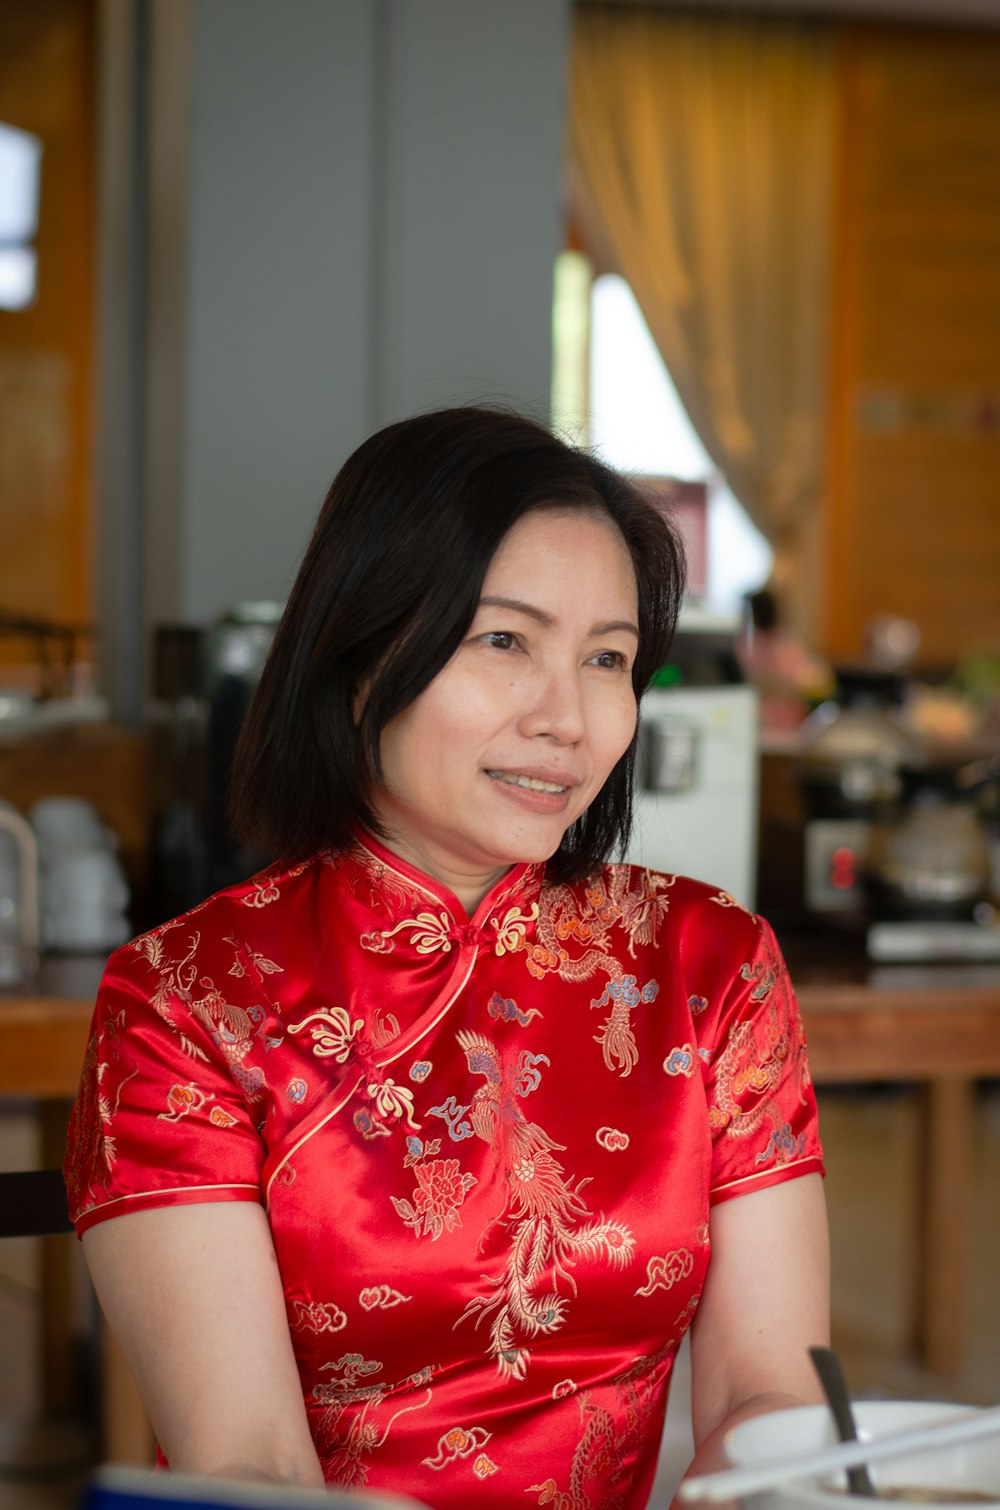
523	877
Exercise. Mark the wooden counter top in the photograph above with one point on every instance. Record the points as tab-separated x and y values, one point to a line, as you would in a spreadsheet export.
44	1025
887	1022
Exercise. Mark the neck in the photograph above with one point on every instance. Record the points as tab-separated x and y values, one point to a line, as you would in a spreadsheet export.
469	885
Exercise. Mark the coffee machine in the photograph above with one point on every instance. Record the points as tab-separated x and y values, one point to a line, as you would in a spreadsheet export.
893	842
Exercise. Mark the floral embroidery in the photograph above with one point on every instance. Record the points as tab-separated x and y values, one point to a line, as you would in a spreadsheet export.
318	1316
697	1004
512	929
392	1100
506	1010
429	932
441	1188
335	1034
296	1090
612	1138
680	1061
381	1298
663	1272
417	1149
459	1442
543	1210
420	1070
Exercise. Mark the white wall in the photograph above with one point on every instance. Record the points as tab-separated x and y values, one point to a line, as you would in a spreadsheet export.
373	207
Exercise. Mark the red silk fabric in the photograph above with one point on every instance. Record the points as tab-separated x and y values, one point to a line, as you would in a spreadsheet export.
488	1147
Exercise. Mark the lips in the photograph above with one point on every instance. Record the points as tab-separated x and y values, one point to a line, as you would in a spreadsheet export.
550	783
528	783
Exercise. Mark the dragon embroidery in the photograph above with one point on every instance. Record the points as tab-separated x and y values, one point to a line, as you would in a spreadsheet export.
551	1227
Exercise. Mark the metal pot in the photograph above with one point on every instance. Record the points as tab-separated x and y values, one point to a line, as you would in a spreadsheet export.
851	749
930	857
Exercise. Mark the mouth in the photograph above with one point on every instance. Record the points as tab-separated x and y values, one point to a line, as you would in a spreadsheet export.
529	783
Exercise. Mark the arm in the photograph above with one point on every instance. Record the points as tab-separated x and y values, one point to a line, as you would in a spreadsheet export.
194	1296
765	1302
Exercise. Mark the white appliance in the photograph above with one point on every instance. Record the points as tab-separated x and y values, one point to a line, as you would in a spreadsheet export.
697	786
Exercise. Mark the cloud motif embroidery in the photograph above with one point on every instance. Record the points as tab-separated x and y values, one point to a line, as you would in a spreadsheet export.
612	1138
665	1270
680	1061
318	1316
459	1442
563	1388
382	1298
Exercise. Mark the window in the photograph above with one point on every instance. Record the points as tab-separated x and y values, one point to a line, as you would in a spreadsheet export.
624	404
20	169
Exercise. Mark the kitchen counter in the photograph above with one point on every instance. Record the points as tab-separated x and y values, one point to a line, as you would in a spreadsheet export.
43	1027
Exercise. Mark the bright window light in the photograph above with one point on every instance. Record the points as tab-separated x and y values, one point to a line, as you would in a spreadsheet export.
638	423
20	172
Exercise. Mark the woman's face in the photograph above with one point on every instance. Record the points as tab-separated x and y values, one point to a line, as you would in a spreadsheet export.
517	734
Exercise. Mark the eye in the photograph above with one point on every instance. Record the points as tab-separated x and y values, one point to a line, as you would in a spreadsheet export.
499	639
610	660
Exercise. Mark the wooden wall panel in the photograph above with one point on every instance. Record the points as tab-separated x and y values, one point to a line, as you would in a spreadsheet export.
914	521
46	87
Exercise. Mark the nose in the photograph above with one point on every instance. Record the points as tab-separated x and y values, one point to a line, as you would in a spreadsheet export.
556	710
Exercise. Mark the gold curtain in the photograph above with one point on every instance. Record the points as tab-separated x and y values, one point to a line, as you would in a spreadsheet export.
702	170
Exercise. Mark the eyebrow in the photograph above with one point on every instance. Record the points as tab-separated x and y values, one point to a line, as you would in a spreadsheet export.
609	626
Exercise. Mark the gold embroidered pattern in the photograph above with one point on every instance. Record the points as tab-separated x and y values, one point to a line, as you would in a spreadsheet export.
458	1442
662	1272
551	1228
335	1035
429	932
381	1298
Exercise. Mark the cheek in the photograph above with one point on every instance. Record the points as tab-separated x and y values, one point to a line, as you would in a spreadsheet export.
617	726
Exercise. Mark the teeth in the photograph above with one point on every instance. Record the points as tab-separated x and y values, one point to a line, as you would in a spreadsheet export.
530	782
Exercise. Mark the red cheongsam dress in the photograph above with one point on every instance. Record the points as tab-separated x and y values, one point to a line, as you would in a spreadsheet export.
487	1148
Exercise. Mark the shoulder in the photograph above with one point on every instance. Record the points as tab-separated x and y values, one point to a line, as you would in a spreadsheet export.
659	912
682	899
245	914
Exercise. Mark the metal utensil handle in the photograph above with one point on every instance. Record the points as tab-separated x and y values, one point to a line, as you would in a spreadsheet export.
732	1483
827	1365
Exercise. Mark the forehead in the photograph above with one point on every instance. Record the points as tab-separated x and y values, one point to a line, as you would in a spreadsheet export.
563	539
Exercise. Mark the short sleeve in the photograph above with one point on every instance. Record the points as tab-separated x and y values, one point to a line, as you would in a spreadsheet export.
761	1104
159	1118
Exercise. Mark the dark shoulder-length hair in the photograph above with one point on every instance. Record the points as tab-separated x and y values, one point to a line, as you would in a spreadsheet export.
385	595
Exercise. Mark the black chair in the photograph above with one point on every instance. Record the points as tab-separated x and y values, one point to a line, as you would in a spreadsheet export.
33	1204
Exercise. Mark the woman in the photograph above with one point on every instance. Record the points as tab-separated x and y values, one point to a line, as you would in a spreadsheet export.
399	1165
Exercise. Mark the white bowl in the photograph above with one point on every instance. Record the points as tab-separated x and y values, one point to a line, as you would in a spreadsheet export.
970	1466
